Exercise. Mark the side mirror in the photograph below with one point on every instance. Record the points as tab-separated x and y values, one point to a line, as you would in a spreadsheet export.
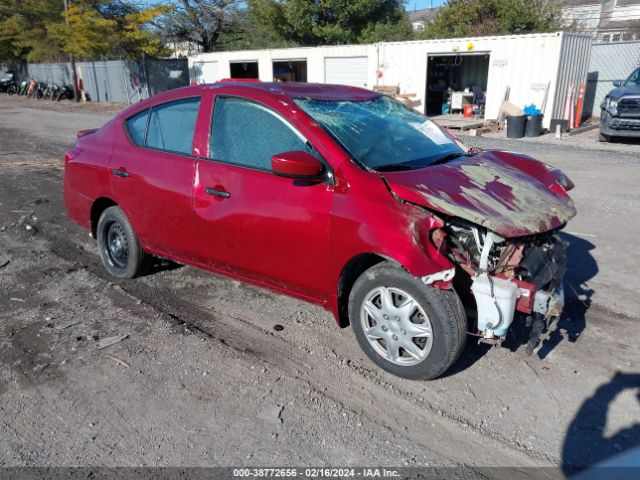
296	164
617	83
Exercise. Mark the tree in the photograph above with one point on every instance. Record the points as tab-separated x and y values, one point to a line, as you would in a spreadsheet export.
321	22
23	33
201	21
40	30
244	34
470	18
83	32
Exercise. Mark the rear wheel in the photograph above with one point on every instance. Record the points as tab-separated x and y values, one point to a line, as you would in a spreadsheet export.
120	250
407	328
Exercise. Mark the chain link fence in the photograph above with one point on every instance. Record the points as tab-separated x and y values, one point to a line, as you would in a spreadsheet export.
121	81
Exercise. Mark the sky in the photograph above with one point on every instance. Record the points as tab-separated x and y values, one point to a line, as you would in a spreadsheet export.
417	4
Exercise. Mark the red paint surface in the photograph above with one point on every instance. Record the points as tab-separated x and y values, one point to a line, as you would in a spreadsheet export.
296	164
290	235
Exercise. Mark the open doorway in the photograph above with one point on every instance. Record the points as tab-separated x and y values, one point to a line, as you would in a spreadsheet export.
244	69
457	83
290	70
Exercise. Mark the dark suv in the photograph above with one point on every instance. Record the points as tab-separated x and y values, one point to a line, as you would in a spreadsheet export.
620	116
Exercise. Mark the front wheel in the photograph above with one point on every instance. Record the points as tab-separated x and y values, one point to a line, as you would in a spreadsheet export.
604	138
404	326
120	250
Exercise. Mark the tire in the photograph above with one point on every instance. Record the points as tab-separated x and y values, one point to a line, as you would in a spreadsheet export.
120	250
12	90
604	138
435	328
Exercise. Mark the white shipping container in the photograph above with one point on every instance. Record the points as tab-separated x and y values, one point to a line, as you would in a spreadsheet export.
532	67
526	64
314	57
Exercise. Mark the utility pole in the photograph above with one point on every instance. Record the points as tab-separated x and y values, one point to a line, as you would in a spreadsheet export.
72	60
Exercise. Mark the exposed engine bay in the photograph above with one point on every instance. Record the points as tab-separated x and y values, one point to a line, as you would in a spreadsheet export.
522	274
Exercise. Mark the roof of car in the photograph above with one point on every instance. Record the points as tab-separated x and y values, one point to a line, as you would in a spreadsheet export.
316	91
282	90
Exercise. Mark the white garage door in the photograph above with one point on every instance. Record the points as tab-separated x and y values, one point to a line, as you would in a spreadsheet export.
205	72
346	71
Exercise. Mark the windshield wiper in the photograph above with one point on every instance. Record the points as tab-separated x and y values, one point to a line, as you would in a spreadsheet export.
394	167
448	158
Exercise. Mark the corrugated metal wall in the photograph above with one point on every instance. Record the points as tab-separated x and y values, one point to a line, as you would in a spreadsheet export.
609	62
117	80
59	73
572	70
526	65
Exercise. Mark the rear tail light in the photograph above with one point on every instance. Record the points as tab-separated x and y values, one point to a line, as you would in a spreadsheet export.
565	182
562	184
71	154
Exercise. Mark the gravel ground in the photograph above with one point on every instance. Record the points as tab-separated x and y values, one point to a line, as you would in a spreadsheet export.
203	379
587	140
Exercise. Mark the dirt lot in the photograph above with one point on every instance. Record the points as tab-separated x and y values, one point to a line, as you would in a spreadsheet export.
203	379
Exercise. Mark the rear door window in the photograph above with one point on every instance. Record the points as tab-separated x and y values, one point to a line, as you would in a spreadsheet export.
172	125
247	133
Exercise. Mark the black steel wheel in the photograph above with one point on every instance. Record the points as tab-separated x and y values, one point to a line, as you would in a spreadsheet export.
120	250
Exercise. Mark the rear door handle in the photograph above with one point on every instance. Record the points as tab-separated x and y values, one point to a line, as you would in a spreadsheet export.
120	173
217	193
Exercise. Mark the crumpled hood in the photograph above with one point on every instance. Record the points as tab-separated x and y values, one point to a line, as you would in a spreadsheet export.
506	193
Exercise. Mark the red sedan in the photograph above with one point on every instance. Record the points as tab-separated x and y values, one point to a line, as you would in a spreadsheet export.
336	195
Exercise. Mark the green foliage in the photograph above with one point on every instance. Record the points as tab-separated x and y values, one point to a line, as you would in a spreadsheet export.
329	22
475	18
40	30
387	32
23	32
244	34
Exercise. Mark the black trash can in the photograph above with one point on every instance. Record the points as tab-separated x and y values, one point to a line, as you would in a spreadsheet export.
515	126
534	126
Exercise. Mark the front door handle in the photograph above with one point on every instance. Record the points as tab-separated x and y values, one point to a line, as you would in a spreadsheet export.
217	193
120	173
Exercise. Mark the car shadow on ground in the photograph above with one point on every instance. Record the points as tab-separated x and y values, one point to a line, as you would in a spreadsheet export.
586	441
581	267
625	140
161	265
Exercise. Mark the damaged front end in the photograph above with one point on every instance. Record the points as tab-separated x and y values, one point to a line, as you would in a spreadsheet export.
509	276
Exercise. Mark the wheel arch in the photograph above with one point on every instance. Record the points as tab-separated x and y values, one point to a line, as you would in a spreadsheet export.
99	205
355	267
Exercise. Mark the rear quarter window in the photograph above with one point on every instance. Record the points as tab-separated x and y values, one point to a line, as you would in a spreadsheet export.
137	126
168	126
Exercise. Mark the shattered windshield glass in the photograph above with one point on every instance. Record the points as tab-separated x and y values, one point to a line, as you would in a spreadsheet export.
382	134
